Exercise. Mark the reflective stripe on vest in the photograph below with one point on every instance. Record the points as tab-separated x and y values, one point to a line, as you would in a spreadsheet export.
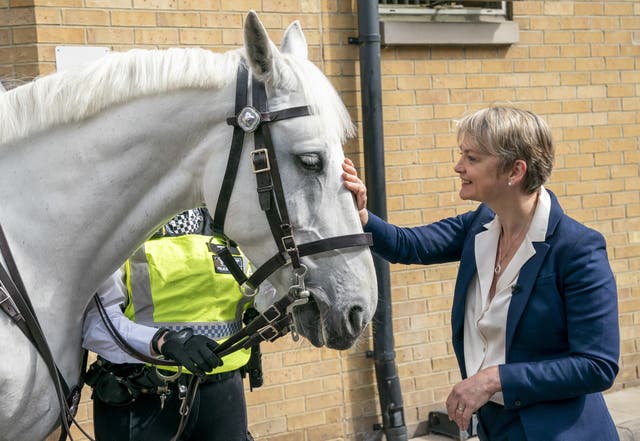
180	275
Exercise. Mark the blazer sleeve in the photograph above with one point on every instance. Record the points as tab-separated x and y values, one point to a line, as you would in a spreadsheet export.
438	242
590	363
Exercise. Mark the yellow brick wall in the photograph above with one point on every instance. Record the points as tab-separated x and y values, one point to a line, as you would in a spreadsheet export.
577	64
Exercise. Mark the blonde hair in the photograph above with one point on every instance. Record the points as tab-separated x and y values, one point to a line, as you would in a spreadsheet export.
512	134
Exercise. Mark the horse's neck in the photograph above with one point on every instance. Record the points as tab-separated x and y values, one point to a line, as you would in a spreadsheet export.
79	199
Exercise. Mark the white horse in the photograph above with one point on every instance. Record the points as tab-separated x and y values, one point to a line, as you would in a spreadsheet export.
92	162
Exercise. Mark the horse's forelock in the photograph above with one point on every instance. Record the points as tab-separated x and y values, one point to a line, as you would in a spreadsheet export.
118	77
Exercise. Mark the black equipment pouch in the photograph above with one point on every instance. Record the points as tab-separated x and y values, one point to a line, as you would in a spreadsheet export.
254	365
120	384
107	386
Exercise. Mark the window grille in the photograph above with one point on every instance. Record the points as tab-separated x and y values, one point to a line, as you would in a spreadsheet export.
445	8
447	22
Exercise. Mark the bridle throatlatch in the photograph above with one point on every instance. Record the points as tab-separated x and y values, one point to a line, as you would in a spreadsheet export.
256	119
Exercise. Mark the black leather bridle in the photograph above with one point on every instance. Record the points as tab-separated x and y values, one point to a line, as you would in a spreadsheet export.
256	119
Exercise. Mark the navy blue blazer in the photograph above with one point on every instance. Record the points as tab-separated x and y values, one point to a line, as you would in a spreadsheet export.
562	334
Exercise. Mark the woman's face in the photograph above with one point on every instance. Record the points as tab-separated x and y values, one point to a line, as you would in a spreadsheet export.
479	174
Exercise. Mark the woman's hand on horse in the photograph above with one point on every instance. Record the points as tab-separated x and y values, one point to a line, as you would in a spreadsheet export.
355	185
195	352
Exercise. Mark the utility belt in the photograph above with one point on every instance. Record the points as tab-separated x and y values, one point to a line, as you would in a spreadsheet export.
121	384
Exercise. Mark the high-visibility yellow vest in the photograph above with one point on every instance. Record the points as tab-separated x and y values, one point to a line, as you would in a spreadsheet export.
176	282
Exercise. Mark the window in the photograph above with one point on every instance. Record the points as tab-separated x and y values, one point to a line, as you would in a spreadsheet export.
447	22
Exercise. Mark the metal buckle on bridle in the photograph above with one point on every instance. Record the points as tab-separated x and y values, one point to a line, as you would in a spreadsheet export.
289	244
268	333
301	295
266	167
248	290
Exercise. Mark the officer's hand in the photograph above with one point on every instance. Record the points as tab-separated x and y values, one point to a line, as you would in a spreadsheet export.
195	352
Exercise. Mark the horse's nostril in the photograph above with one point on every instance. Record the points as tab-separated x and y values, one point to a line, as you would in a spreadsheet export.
356	319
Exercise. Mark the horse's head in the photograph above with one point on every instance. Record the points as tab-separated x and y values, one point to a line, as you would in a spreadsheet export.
309	157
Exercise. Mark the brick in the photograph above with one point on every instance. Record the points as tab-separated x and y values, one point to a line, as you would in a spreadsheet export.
200	36
482	81
546	51
178	19
430	67
606	50
58	3
577	106
155	4
108	4
17	17
574	78
109	36
5	37
133	18
239	5
24	35
197	5
560	65
516	80
218	20
156	36
589	64
464	66
85	17
47	16
591	92
269	427
61	35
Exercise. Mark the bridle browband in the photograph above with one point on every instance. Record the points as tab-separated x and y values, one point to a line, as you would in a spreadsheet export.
256	119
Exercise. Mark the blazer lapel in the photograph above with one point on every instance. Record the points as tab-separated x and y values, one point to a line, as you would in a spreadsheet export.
465	274
529	273
521	291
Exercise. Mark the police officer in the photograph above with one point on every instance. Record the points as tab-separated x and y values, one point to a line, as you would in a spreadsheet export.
170	298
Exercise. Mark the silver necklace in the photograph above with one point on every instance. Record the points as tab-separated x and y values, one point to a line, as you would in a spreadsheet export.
517	241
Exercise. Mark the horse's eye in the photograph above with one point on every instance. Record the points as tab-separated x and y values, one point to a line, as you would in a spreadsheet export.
310	161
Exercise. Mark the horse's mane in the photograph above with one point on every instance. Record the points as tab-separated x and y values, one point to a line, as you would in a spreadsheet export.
118	77
70	96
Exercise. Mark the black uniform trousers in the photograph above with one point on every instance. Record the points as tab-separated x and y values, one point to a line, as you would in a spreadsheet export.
218	414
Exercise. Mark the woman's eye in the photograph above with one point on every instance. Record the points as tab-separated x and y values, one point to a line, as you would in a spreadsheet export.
310	161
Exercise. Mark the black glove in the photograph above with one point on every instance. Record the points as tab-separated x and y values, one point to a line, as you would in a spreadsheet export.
195	352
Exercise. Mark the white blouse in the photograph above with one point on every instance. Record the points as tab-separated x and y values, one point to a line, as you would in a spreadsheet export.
485	321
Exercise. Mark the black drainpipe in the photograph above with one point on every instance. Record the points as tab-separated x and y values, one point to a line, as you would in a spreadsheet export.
384	355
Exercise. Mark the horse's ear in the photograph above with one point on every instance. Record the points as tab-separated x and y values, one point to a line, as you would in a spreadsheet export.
293	41
258	46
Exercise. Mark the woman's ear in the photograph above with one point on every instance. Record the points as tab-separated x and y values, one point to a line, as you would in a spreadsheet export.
518	172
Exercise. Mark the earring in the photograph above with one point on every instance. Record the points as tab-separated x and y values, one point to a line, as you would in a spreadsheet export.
509	184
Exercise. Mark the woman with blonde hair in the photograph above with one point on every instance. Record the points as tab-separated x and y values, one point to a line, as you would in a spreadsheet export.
534	317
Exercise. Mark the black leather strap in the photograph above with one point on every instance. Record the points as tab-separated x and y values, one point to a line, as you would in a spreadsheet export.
28	322
308	249
235	153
